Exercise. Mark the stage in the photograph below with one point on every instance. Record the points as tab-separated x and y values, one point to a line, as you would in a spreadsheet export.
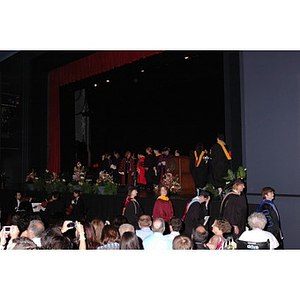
106	207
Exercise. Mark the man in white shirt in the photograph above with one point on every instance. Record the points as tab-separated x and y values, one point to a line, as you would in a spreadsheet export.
257	222
144	223
156	240
35	230
175	226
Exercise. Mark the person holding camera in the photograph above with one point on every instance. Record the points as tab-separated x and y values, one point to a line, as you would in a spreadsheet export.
79	239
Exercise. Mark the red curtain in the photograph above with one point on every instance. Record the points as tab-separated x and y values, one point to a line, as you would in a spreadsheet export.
88	66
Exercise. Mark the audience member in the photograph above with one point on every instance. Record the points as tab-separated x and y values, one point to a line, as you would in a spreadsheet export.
257	222
110	238
219	227
175	226
144	223
35	230
234	208
132	209
117	221
156	240
182	242
163	206
125	228
130	241
90	235
199	237
23	243
196	212
79	241
269	209
98	226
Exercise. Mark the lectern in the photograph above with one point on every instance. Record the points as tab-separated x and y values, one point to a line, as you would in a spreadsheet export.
179	165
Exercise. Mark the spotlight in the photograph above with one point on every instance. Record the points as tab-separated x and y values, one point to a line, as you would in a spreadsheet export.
186	57
95	84
107	80
142	71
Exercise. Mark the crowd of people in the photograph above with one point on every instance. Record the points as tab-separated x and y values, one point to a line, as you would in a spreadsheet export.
146	169
61	226
135	230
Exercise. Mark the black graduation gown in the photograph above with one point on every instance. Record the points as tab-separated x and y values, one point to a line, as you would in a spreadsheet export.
133	212
194	217
199	173
235	211
218	166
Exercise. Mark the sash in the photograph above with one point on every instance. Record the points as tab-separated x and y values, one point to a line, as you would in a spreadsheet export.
128	199
223	204
270	202
227	154
195	199
198	160
164	198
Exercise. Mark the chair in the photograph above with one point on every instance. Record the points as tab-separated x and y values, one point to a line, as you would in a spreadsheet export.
245	245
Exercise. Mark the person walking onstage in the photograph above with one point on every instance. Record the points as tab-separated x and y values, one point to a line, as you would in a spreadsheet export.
196	212
219	163
269	209
132	209
163	207
234	208
199	167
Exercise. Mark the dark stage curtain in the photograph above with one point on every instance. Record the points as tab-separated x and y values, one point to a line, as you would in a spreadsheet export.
88	66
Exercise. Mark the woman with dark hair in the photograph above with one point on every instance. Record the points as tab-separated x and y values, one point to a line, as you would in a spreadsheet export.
90	235
132	209
110	238
130	241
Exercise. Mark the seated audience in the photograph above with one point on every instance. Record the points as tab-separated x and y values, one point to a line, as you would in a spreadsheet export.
35	230
110	238
144	223
23	243
91	238
182	242
98	226
257	222
175	227
130	241
199	237
125	228
219	227
156	240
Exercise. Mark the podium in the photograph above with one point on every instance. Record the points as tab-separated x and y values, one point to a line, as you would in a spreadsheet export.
180	165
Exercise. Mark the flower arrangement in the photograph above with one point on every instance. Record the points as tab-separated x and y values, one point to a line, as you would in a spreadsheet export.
31	177
172	183
104	178
51	182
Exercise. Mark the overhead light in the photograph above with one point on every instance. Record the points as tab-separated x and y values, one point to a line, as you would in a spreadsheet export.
142	71
95	84
107	80
186	57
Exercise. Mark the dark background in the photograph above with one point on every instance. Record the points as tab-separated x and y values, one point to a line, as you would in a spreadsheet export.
173	99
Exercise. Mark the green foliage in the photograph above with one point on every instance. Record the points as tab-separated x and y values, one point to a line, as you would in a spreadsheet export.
111	188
